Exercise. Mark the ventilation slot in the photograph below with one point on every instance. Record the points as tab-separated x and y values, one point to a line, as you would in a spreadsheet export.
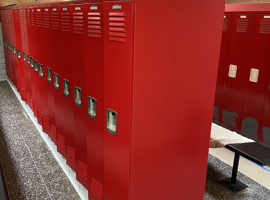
32	19
46	20
250	128
242	25
96	189
78	23
54	135
117	26
82	170
94	25
23	93
61	142
225	24
71	155
229	118
39	117
46	123
266	135
28	19
35	108
16	17
65	23
55	21
21	17
264	26
39	20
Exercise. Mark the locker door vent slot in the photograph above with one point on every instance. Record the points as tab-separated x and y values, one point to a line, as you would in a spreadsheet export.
232	71
264	26
266	134
46	123
41	74
242	25
225	24
39	118
24	58
82	168
71	155
66	87
78	23
254	75
31	62
117	26
229	118
28	19
96	189
61	142
250	128
16	17
92	107
46	20
35	108
55	21
111	121
56	81
33	19
35	66
78	96
19	54
94	25
65	23
49	75
39	20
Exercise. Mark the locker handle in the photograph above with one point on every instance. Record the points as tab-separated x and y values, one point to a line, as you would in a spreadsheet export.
66	87
111	121
28	59
254	75
78	96
35	66
31	62
19	53
56	81
232	71
49	75
24	59
92	107
41	70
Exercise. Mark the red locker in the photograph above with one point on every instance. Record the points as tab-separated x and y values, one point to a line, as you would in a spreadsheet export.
256	77
158	71
80	100
94	87
223	63
66	140
20	64
6	41
236	70
13	59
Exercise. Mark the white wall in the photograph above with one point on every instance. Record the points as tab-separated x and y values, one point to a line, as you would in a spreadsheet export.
3	74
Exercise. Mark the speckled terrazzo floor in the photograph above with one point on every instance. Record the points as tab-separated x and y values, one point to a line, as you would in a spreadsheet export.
30	169
217	171
32	172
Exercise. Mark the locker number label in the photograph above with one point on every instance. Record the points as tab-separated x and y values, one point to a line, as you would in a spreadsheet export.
93	7
77	8
54	9
38	10
117	7
65	9
46	9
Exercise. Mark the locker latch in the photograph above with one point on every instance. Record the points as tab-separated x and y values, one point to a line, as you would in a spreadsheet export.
78	96
35	66
28	59
111	121
56	81
19	54
31	62
66	88
49	75
40	70
24	59
92	107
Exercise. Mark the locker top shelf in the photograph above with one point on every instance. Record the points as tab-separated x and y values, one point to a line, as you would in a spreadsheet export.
251	7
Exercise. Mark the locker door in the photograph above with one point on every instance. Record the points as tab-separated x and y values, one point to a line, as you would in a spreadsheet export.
94	82
79	98
236	70
118	55
256	78
223	62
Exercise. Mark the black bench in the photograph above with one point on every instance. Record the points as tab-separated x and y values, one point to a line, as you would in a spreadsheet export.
3	189
252	151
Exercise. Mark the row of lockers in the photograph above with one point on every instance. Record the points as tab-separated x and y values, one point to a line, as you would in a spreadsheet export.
242	102
106	82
